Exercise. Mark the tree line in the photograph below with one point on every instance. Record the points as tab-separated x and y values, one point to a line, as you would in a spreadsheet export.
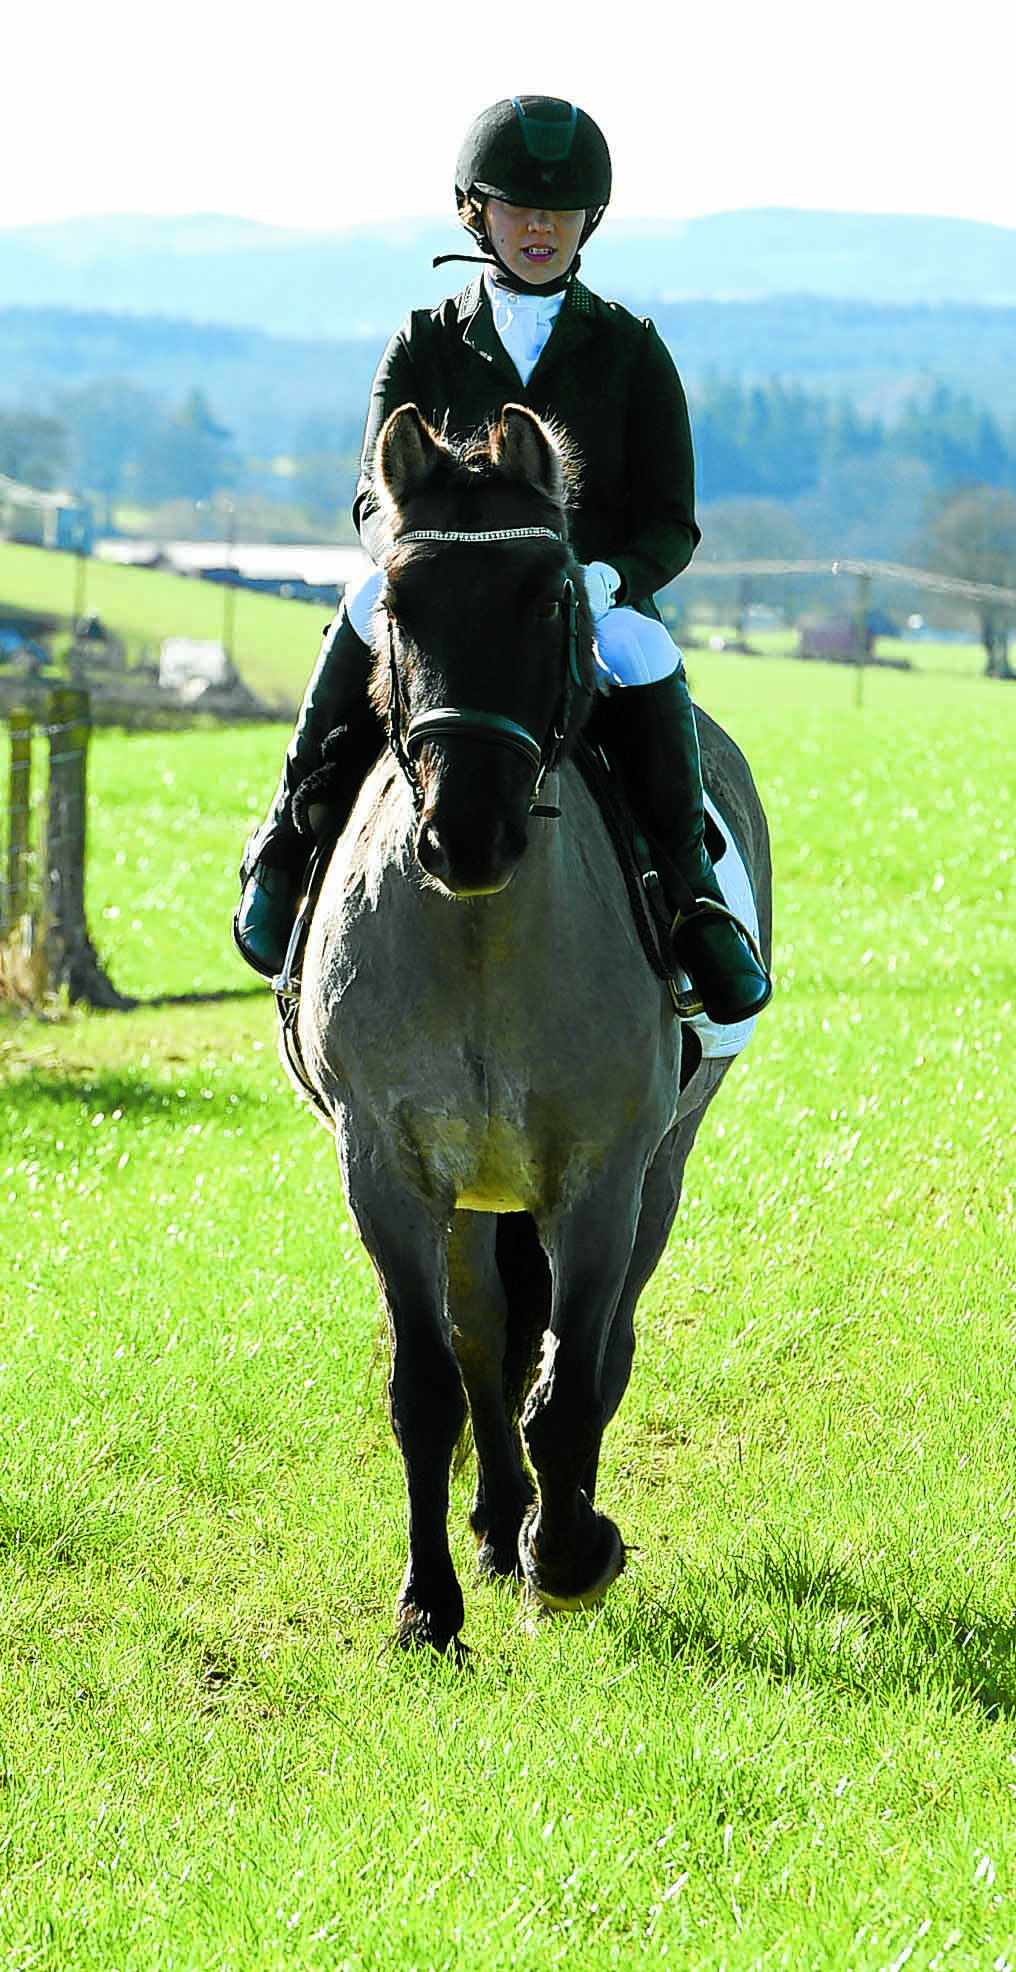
774	442
781	442
783	472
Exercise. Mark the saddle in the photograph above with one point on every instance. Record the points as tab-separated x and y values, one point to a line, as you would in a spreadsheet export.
652	913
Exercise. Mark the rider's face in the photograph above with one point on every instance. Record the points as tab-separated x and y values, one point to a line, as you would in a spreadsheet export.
536	245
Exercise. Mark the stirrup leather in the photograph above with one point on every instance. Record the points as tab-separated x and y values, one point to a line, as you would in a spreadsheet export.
286	985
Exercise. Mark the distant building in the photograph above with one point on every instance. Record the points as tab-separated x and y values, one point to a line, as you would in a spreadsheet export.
44	520
199	672
306	572
836	637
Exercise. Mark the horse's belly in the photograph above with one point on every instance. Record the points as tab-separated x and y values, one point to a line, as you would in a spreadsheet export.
493	1199
485	1164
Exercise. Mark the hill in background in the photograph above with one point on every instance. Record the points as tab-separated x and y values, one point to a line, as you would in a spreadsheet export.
362	280
267	388
281	326
238	355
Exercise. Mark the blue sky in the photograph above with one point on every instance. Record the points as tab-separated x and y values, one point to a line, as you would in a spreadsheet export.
303	116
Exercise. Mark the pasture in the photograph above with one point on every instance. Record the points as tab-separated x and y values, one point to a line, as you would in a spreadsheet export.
143	605
273	636
787	1738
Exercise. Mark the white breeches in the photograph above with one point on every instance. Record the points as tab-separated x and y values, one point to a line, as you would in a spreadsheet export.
633	649
360	600
630	649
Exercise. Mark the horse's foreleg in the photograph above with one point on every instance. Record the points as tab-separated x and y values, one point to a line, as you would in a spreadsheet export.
428	1410
427	1402
479	1313
570	1553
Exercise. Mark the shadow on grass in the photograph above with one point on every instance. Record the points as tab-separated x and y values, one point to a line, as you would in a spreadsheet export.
137	1095
216	998
144	1002
788	1615
60	1537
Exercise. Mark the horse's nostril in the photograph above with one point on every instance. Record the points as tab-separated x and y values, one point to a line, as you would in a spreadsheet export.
430	851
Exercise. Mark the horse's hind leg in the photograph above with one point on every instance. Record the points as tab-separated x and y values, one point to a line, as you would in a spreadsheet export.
479	1309
570	1553
427	1402
661	1196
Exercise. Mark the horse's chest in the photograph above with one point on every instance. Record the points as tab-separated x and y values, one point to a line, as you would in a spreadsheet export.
480	1049
499	1121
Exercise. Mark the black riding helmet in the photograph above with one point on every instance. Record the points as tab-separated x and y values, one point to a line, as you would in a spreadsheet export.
533	151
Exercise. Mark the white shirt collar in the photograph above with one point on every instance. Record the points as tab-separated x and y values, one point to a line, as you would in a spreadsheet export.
523	322
506	302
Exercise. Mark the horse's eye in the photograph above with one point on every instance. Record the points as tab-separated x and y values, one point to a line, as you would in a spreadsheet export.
547	611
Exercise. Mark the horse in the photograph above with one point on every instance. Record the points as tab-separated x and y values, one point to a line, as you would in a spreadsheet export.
500	1067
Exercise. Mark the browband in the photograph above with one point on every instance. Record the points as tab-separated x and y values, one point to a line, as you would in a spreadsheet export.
484	537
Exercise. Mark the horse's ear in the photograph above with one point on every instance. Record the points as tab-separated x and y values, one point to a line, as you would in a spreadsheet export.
525	445
406	453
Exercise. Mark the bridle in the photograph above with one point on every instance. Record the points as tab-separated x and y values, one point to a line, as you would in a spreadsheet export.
407	736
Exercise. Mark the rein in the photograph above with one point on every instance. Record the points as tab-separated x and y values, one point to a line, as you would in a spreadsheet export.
406	738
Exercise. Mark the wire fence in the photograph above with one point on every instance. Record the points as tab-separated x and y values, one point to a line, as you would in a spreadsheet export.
846	611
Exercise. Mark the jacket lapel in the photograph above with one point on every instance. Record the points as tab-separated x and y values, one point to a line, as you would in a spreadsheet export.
572	328
479	333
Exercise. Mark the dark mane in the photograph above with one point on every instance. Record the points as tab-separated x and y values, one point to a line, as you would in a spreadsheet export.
458	468
475	452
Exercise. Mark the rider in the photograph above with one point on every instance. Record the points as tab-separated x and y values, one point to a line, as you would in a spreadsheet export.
532	183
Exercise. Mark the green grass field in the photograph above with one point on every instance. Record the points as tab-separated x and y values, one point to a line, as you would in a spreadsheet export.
788	1738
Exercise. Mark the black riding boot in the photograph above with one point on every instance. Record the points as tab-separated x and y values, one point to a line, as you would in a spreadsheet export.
649	733
276	855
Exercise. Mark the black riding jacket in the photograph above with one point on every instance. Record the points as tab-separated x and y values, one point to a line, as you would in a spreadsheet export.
606	376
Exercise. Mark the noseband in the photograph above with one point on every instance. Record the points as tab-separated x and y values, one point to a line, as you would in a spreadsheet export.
449	721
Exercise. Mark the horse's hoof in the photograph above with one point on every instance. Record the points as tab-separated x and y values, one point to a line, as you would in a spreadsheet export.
417	1631
567	1591
498	1560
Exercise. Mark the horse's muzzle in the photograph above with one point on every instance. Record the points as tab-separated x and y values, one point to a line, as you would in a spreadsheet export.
474	865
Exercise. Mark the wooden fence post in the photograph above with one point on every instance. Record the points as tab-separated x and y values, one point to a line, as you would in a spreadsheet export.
68	716
16	894
862	634
71	960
